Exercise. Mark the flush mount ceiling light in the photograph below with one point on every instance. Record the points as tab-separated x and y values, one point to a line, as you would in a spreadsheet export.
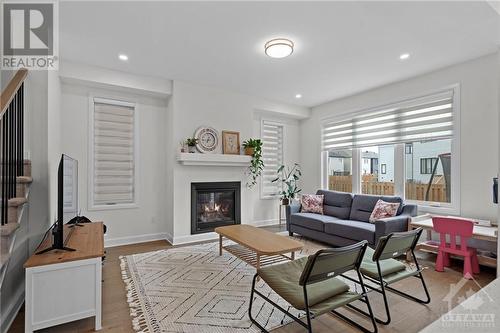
298	96
123	57
404	56
279	48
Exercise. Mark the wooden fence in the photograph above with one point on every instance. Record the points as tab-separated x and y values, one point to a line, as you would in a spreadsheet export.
370	185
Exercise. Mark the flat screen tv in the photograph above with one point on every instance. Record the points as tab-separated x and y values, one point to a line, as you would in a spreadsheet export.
67	202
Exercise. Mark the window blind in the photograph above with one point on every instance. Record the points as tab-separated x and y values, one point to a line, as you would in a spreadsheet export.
113	154
272	156
422	119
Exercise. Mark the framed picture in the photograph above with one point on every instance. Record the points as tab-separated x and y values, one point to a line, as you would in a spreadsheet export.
230	142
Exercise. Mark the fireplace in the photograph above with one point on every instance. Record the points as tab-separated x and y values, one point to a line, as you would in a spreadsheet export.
214	204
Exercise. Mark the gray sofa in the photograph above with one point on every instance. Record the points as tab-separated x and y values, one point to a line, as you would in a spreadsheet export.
346	219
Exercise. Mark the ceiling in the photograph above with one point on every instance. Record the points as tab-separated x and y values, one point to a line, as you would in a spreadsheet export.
341	47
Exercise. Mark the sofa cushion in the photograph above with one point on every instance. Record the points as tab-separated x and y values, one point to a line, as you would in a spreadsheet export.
310	220
362	206
312	203
355	230
383	210
337	204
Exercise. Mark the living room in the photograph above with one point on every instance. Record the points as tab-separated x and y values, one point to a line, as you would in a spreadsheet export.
184	132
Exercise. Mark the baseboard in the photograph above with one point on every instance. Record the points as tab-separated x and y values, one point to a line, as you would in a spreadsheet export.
118	241
264	223
8	315
195	238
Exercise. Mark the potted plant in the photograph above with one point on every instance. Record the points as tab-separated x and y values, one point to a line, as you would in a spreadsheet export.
191	143
250	145
253	147
288	178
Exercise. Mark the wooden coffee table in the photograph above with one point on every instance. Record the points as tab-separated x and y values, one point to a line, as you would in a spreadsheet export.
257	247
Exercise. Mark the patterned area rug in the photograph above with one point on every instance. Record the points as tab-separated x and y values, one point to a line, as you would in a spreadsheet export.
193	289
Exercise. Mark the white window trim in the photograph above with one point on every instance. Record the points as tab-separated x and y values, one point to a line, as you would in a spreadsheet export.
277	123
452	208
90	185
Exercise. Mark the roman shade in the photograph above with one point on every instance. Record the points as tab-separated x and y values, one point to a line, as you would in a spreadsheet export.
427	118
113	153
272	156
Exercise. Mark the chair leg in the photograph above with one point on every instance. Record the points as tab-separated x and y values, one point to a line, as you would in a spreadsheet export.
440	261
413	298
253	291
446	259
467	267
475	264
250	306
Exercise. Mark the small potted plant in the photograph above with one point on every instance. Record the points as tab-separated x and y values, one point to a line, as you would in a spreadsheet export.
253	147
288	178
250	145
191	143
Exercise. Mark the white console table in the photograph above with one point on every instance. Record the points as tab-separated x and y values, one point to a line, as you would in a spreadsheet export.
66	286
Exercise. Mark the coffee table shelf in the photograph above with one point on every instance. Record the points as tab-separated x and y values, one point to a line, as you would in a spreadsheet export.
257	247
250	257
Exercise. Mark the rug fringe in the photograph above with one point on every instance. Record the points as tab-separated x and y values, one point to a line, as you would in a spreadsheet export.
139	321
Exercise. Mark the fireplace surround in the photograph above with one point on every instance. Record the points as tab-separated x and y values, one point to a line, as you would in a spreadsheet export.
214	204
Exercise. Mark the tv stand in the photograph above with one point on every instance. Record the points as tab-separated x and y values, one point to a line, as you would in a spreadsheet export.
57	243
70	279
64	248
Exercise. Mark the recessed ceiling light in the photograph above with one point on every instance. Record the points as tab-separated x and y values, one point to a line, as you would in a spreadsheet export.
404	56
279	48
123	57
298	96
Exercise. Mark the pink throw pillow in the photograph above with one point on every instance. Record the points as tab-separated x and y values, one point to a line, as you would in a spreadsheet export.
312	203
383	210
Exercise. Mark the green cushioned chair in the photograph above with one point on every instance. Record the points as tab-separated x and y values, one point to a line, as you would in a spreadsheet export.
310	284
379	267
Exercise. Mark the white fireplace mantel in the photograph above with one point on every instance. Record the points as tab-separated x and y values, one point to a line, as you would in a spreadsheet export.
213	159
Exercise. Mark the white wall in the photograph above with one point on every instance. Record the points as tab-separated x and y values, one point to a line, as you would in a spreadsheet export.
148	220
53	138
479	87
195	105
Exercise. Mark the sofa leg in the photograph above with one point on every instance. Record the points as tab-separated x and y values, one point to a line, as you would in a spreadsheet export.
290	234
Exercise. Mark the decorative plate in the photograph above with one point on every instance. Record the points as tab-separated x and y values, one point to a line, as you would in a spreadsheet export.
208	139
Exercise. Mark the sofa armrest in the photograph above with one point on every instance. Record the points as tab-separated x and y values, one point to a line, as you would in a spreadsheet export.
409	209
388	225
292	208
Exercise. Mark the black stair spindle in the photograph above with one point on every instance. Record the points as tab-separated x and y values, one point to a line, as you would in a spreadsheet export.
11	150
4	185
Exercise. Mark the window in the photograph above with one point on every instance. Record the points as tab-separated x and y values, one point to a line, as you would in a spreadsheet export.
340	170
400	149
427	165
429	178
272	156
373	181
383	169
113	153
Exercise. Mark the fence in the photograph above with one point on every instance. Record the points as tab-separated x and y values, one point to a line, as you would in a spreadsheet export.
370	185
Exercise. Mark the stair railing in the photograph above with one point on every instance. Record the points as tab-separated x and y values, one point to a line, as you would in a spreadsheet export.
11	139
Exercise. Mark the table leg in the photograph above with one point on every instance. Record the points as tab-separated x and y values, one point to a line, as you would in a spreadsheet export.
293	255
279	215
220	245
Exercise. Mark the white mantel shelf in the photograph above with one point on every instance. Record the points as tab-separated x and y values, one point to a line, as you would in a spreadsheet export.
213	159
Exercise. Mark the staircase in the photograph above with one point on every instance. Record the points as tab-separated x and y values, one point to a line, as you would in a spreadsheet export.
15	171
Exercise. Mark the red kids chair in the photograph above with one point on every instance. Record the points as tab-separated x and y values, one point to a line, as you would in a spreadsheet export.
455	227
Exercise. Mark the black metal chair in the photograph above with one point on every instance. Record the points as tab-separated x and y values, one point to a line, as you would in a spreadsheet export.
380	267
310	284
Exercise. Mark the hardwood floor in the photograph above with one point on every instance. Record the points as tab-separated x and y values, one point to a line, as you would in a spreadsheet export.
407	316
